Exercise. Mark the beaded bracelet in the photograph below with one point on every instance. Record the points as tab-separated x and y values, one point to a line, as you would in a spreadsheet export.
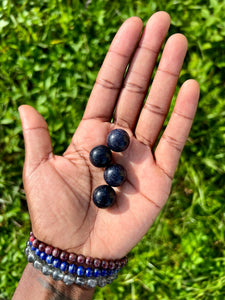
82	278
70	267
72	258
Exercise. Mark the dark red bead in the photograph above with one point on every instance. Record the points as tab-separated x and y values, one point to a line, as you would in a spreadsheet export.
64	256
48	250
89	261
97	262
80	259
31	233
56	252
32	238
35	243
72	258
117	264
105	264
111	265
41	247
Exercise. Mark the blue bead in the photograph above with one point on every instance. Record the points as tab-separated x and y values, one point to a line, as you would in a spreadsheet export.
49	259
56	263
103	272
64	266
33	248
80	271
115	175
104	196
100	156
43	255
72	268
97	272
30	243
89	272
37	252
118	140
109	272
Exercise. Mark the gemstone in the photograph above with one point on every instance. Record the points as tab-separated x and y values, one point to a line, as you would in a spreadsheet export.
72	269
96	272
72	258
56	263
111	265
97	262
57	275
80	259
103	272
41	247
118	140
30	257
64	266
49	259
43	255
48	250
102	282
105	264
115	175
69	279
89	272
64	256
80	271
104	196
55	252
100	156
46	270
80	281
35	243
37	252
37	265
89	261
91	283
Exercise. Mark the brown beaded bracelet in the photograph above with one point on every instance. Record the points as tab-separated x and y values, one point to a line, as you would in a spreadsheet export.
80	259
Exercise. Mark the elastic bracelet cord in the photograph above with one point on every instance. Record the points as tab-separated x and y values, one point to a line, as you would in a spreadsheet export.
81	271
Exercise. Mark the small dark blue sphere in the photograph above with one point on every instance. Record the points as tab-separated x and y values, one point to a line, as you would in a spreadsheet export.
104	196
118	140
115	175
100	156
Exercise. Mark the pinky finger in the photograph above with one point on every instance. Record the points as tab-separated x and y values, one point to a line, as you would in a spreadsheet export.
171	144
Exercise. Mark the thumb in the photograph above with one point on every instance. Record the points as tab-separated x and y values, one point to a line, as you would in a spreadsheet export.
38	147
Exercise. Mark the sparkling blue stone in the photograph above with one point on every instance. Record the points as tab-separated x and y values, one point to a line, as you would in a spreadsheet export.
64	266
97	272
56	263
115	175
89	272
37	252
49	259
109	272
43	255
118	140
33	248
80	271
103	272
104	196
72	268
30	243
100	156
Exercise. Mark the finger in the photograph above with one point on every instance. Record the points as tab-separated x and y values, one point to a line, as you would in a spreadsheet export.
158	102
38	147
171	144
137	80
108	83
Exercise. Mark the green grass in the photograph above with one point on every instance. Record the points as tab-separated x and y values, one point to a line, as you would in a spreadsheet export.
50	53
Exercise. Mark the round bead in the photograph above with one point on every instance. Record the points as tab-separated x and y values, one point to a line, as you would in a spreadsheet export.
48	250
97	262
118	140
37	252
80	259
111	265
100	156
105	264
57	275
56	263
89	261
43	255
31	233
68	279
80	271
104	196
72	258
55	252
41	247
103	272
64	266
115	175
89	272
117	264
64	256
49	259
32	238
96	272
91	283
35	243
72	269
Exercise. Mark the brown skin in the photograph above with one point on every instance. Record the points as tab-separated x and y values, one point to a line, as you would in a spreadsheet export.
59	188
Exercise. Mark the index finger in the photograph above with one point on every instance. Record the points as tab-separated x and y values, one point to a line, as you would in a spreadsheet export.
110	77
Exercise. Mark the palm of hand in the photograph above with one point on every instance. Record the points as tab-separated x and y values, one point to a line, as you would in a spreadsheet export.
59	188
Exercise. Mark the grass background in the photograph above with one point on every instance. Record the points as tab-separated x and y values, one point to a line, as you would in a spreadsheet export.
50	53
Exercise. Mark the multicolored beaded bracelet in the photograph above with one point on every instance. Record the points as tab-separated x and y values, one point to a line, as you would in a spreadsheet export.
81	277
73	258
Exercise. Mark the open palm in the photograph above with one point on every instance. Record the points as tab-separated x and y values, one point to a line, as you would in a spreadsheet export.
59	188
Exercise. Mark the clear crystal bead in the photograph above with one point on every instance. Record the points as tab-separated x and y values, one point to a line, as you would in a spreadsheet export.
80	281
102	282
37	265
30	257
57	275
69	279
91	283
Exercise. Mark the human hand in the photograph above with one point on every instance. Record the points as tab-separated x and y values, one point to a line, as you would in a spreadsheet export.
59	188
